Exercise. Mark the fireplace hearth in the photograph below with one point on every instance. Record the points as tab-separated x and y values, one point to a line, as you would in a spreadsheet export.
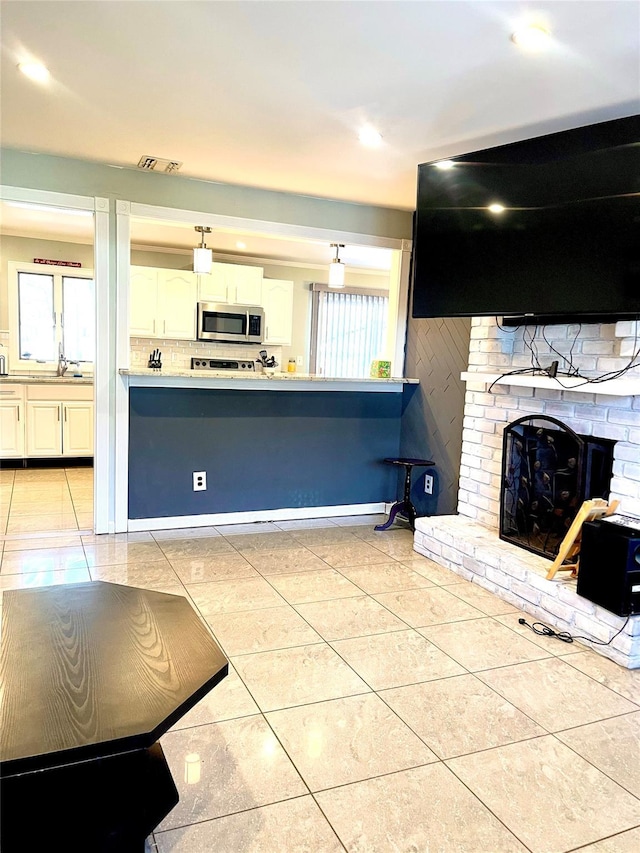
548	471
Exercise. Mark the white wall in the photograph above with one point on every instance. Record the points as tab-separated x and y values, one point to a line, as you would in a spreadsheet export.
26	249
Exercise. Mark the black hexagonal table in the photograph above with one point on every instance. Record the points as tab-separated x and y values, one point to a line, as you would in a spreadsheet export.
91	675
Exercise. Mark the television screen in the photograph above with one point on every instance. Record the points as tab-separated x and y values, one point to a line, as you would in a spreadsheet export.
549	227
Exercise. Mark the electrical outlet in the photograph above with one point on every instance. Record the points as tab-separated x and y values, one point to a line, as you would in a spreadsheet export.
299	361
428	484
199	481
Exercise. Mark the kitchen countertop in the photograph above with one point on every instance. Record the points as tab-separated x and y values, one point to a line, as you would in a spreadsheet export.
147	377
46	379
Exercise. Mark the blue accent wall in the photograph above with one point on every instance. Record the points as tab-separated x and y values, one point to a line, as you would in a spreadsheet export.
261	450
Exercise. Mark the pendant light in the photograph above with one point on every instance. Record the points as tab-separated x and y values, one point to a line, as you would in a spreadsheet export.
202	257
336	268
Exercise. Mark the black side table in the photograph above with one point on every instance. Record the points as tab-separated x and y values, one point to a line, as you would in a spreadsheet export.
404	507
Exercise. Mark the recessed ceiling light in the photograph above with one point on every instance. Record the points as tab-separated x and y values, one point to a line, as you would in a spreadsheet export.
370	137
241	245
496	208
34	71
444	165
533	38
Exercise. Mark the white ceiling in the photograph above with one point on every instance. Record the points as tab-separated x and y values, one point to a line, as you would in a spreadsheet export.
271	94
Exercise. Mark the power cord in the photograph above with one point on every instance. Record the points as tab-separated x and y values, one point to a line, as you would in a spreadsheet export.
565	636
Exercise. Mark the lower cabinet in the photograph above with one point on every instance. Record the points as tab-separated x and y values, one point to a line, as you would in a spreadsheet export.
11	429
47	420
77	429
44	429
59	429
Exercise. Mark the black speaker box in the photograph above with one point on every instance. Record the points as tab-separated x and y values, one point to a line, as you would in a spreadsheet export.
609	571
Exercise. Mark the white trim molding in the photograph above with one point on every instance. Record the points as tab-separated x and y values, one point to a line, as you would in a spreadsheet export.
103	420
121	463
102	484
177	522
264	227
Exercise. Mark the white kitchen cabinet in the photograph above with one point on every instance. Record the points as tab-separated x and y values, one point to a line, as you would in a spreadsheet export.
59	429
162	303
235	284
59	420
176	305
143	301
46	420
11	429
77	429
44	429
277	301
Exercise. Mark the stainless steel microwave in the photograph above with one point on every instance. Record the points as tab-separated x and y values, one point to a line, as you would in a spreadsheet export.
240	324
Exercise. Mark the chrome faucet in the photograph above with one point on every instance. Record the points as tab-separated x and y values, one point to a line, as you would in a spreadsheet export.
62	361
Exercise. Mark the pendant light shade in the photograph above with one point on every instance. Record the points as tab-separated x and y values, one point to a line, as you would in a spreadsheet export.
336	268
202	257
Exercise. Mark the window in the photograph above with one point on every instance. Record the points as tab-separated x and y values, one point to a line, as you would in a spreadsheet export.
349	330
78	330
36	317
53	310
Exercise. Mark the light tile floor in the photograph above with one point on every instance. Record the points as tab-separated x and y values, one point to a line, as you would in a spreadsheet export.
34	500
375	701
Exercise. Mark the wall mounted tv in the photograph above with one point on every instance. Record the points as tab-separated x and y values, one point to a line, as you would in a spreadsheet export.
566	246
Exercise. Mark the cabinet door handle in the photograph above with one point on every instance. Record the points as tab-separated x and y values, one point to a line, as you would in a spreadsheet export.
65	414
18	409
164	327
154	325
58	412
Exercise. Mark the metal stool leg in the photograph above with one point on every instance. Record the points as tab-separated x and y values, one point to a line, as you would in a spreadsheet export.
403	507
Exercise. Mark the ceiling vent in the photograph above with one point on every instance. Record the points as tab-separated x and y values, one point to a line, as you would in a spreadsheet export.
157	164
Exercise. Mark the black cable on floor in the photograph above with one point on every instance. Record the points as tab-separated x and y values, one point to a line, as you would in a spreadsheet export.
565	636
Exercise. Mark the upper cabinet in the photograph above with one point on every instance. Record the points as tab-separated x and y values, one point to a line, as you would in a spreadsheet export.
277	301
162	303
232	283
143	298
177	298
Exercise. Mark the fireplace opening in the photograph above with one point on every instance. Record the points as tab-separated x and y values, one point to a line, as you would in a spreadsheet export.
548	470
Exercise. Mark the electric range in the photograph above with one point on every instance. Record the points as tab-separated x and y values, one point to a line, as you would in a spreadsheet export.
224	364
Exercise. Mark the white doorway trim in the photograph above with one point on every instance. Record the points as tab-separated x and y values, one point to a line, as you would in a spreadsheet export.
127	209
123	264
102	489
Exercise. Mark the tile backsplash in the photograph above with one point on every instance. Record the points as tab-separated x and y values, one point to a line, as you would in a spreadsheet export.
178	354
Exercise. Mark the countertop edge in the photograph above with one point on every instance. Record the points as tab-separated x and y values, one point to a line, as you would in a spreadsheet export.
280	382
46	380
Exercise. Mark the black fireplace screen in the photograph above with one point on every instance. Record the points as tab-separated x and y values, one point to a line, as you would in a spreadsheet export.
548	471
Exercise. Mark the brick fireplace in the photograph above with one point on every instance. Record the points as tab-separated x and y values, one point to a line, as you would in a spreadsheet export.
468	543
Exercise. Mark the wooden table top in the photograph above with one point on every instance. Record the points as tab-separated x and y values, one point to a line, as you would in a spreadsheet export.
95	669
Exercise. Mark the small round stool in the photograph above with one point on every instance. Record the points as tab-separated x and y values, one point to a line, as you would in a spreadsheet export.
404	507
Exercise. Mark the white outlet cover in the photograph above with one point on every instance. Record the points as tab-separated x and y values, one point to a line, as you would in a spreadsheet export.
199	481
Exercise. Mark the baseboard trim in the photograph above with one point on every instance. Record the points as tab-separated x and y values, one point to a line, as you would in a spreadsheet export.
175	522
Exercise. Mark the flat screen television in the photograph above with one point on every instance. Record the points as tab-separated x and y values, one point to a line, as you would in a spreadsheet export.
565	247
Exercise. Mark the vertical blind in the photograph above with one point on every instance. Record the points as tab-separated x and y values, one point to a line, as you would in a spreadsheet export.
352	329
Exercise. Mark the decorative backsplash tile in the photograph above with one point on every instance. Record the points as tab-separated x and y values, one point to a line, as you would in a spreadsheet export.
178	354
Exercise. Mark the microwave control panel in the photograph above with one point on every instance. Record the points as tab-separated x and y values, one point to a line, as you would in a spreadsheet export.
244	366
